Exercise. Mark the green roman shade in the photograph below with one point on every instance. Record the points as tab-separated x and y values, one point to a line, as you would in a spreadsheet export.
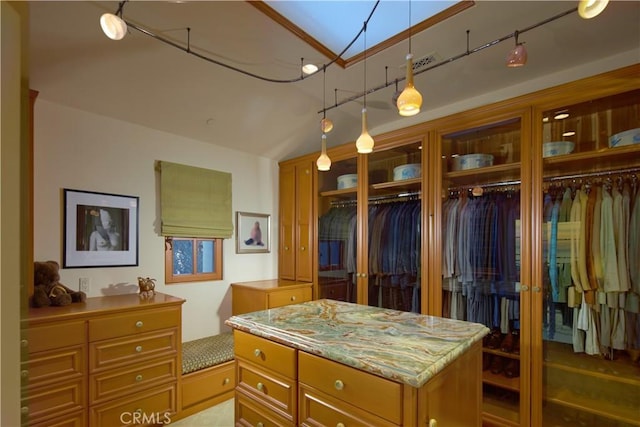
195	202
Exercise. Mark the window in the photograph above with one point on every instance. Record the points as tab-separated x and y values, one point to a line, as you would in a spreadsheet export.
192	260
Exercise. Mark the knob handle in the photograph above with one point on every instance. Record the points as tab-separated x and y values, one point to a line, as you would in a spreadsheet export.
139	324
524	288
138	348
293	298
226	381
257	352
302	248
339	385
24	410
139	377
24	373
433	422
340	425
259	424
24	343
260	386
286	248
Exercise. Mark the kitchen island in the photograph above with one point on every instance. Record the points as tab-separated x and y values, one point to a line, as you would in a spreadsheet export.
333	363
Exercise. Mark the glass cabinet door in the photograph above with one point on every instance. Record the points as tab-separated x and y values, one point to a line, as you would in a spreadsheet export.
591	262
394	178
337	237
480	261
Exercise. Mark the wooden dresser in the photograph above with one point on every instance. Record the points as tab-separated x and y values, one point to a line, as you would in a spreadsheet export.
264	294
110	361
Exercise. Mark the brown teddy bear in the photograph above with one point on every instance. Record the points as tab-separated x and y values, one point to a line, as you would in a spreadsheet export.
48	290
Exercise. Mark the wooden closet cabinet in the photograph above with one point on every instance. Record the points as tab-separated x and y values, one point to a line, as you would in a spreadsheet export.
110	361
484	249
296	253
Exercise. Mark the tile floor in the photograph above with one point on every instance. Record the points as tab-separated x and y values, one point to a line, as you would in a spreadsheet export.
220	415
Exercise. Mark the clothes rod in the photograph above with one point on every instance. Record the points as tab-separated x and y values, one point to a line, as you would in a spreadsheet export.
595	174
373	199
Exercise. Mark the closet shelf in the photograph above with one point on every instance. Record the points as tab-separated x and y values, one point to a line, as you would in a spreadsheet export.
607	158
412	185
561	356
501	381
609	410
346	193
486	175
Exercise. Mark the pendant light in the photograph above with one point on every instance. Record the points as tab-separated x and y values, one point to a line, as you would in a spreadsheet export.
517	57
410	100
588	9
365	143
324	162
113	25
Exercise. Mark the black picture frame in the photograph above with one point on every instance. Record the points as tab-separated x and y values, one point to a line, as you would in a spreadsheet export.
100	229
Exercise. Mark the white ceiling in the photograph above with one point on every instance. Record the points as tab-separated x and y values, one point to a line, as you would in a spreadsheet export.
145	81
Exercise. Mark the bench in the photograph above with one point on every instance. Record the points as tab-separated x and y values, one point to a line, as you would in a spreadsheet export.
208	373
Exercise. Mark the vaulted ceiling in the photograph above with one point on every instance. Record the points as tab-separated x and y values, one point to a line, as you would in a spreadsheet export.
148	82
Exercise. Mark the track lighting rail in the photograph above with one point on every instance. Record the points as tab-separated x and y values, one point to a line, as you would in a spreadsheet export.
451	59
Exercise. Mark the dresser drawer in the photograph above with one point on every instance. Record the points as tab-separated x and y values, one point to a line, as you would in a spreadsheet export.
284	296
153	407
50	366
367	391
131	379
273	390
336	291
133	323
203	386
54	335
265	353
76	419
249	413
115	352
317	408
54	400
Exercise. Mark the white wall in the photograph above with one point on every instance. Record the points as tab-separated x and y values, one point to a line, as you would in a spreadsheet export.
79	150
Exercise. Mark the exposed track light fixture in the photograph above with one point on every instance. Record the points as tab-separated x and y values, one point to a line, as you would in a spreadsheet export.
517	57
410	100
364	143
588	9
324	162
113	25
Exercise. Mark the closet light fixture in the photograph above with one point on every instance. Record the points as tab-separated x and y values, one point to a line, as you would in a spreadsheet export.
410	100
113	25
365	142
517	57
588	9
324	162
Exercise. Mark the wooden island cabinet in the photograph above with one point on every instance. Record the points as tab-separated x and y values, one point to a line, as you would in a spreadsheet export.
109	361
328	362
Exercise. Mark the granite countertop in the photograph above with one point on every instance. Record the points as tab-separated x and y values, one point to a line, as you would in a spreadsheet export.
405	347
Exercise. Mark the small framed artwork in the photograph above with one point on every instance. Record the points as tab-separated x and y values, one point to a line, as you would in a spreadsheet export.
253	233
100	230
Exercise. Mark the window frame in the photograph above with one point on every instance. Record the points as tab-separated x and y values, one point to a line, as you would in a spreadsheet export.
171	278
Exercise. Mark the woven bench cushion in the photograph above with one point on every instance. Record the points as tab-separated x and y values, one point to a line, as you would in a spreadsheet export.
205	352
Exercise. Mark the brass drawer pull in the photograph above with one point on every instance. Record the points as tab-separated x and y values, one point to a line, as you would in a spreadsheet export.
139	324
433	422
24	373
259	424
138	377
260	386
293	298
24	410
339	385
138	348
257	352
226	381
340	425
302	248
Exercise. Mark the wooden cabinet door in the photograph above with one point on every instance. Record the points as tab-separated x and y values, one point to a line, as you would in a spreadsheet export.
286	253
304	222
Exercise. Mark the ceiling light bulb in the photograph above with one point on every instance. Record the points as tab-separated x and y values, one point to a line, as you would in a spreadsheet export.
326	125
309	68
113	26
324	162
588	9
364	143
517	57
410	100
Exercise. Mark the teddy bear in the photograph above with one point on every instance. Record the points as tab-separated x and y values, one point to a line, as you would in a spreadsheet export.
47	289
